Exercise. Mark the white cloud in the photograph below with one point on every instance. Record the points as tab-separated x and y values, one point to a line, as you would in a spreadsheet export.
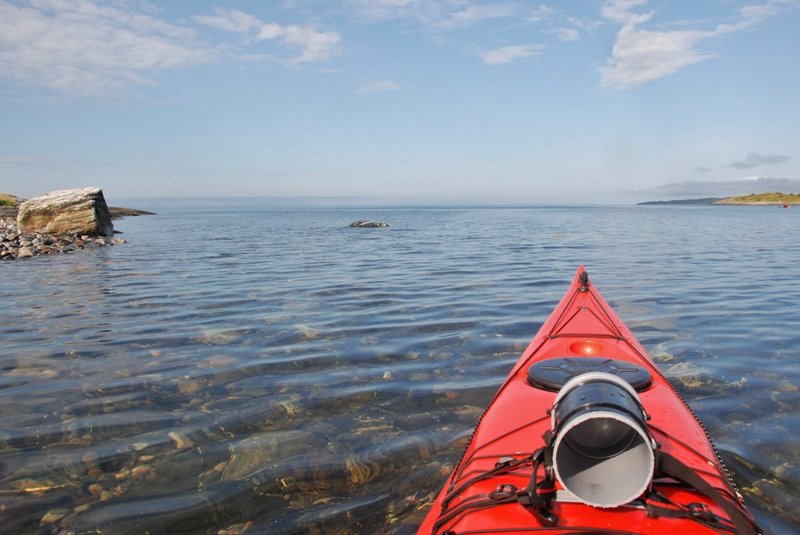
566	34
509	54
313	45
541	12
475	14
230	21
391	9
82	47
641	55
380	86
88	47
620	11
450	15
442	14
307	43
269	31
753	15
585	25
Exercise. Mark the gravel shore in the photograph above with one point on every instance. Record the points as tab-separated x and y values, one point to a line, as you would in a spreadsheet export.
14	245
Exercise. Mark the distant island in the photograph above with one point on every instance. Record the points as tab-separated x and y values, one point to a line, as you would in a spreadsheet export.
7	199
763	198
752	199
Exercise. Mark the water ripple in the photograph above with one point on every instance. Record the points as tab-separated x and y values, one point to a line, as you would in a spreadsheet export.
310	378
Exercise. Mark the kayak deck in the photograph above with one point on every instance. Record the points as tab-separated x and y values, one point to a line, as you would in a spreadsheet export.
477	497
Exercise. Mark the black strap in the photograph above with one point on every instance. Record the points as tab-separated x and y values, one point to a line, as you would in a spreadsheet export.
668	465
500	468
503	494
537	495
479	502
540	493
659	506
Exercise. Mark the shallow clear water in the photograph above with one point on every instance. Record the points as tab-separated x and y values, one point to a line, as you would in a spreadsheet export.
243	366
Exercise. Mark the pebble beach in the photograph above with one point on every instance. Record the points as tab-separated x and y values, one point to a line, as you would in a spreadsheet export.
14	244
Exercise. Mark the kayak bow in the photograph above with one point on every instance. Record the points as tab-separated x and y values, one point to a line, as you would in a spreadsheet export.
587	436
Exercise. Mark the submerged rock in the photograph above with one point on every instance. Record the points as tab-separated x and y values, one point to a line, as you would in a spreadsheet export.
74	211
368	224
260	451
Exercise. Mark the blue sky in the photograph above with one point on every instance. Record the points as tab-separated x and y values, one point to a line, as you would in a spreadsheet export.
406	100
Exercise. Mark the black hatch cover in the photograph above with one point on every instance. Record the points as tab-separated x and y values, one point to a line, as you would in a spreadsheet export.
552	374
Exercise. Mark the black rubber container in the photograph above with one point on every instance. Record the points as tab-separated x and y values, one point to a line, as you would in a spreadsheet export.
602	452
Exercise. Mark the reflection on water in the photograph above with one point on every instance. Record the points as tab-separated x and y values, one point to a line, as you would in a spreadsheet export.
241	369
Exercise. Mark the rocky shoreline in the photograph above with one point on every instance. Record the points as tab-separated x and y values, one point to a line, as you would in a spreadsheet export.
14	244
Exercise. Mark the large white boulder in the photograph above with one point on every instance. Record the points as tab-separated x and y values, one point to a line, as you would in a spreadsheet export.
69	211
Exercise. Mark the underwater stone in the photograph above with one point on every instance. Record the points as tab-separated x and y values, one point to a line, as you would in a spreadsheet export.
368	224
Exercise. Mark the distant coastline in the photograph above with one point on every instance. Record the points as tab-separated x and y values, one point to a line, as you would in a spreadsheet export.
703	201
754	199
9	206
763	199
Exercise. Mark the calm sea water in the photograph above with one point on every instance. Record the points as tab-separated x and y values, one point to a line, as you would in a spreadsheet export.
248	368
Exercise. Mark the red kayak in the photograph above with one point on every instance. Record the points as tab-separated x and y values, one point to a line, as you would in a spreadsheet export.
587	436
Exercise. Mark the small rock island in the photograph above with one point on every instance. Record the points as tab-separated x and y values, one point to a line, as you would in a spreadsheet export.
368	224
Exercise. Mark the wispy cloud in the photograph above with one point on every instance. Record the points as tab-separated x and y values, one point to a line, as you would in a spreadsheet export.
566	34
539	13
390	9
620	11
753	15
451	15
509	54
478	13
231	21
443	14
754	159
89	47
380	86
306	42
83	47
642	55
564	28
